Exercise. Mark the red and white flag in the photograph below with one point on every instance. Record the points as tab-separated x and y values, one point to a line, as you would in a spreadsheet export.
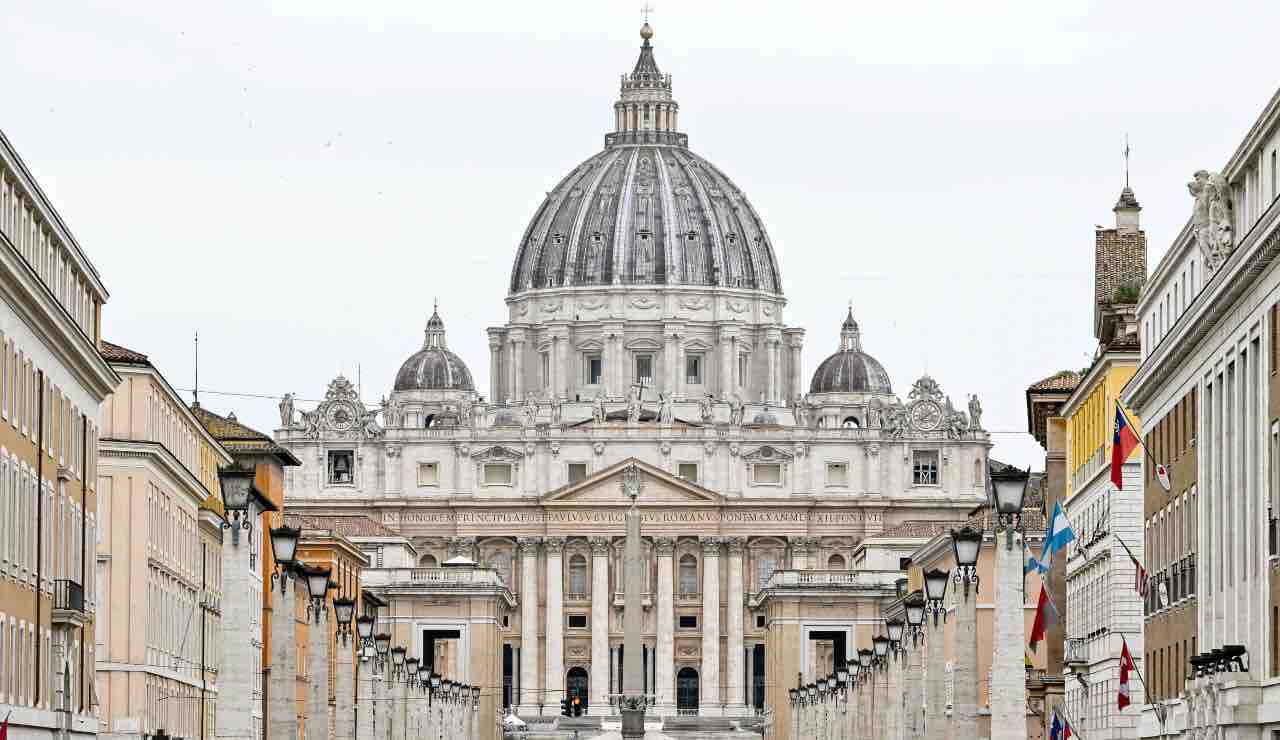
1126	665
1046	617
4	726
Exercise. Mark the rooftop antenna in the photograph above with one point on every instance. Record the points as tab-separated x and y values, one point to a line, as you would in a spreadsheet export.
1126	161
195	392
359	383
646	10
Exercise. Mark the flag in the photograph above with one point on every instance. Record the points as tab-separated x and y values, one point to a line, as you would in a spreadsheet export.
1126	665
1122	444
1055	728
1046	616
1032	563
1139	573
1058	536
1066	730
4	726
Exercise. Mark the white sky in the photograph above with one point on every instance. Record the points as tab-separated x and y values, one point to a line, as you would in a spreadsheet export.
297	180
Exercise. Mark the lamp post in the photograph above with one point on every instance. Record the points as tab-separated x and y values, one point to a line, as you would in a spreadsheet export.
935	589
317	720
842	697
344	610
914	606
822	699
794	696
411	680
283	714
966	543
1008	673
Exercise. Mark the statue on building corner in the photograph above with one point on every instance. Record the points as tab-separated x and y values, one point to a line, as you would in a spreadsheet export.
530	410
706	408
634	406
1211	217
598	413
801	410
975	412
286	411
875	414
897	420
736	410
557	408
666	410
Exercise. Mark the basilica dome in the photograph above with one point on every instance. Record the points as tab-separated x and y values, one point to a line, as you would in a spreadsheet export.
646	210
850	370
434	367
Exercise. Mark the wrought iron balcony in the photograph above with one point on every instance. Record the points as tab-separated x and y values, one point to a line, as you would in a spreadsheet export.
68	603
1075	651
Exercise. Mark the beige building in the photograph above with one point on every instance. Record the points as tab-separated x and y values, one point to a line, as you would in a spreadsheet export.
52	379
159	558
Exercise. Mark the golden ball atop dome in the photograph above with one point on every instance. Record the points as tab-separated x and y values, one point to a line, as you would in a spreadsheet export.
646	31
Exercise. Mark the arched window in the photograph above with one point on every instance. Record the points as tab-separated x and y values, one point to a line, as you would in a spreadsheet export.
428	561
688	575
578	575
765	567
835	562
501	562
851	422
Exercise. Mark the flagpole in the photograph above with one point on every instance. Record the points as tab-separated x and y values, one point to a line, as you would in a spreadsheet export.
1070	723
1155	707
1138	437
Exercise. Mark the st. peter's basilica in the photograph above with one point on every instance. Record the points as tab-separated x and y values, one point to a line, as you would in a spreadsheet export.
645	326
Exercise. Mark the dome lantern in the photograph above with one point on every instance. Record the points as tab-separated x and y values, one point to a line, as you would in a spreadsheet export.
850	370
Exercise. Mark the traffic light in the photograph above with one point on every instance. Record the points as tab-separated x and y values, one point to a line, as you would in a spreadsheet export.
564	708
577	706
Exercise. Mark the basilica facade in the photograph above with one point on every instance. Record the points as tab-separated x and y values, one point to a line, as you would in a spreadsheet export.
645	327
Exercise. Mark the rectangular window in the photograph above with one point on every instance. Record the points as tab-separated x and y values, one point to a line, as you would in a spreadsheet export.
577	621
341	467
428	474
644	369
693	369
497	474
688	471
594	366
577	471
838	474
759	621
743	363
924	468
767	474
688	621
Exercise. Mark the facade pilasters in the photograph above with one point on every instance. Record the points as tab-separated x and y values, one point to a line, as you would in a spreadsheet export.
735	699
282	702
236	672
317	719
530	697
495	366
964	713
599	626
517	367
709	701
1008	683
935	723
553	679
664	547
727	348
344	691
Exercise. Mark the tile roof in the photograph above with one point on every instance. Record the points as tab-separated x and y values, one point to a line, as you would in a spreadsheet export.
115	353
925	529
237	437
345	525
1063	380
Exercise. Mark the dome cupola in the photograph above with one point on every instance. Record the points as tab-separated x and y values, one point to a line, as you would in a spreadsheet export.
434	367
850	370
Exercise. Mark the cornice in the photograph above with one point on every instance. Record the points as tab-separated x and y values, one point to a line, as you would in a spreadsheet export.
124	369
1097	374
167	462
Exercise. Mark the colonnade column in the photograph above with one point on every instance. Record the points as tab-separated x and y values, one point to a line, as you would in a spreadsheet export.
553	367
964	712
1008	699
529	695
773	341
599	705
553	686
709	702
672	379
735	701
795	342
913	694
344	690
236	675
665	694
935	721
568	373
283	701
892	711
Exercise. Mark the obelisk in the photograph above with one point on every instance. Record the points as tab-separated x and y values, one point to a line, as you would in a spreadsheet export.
633	698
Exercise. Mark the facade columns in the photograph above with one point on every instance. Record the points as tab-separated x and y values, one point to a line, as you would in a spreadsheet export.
517	367
964	712
773	344
553	367
795	342
735	700
568	374
382	703
727	348
282	703
529	694
893	696
709	701
1008	677
599	705
237	674
495	367
935	721
666	656
553	686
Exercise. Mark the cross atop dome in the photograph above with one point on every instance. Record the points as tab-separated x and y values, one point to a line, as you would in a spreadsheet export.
645	112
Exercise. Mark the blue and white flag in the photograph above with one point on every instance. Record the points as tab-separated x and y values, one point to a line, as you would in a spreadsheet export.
1032	563
1057	536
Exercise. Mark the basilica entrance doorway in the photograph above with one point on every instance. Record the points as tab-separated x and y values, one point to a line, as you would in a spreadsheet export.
576	686
687	690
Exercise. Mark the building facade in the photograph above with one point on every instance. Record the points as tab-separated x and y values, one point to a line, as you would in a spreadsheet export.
1207	388
645	326
159	559
52	379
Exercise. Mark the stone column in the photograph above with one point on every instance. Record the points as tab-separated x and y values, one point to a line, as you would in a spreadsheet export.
553	366
771	385
396	706
673	369
344	690
517	365
893	697
964	711
237	674
553	679
725	348
935	722
530	697
666	656
709	701
569	373
282	702
599	705
735	704
364	707
1008	674
381	703
796	344
913	694
495	368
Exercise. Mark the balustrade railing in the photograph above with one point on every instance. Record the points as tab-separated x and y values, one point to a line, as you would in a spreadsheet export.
68	596
1075	651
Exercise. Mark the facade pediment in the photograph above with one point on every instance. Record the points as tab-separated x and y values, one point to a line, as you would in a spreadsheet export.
767	453
497	452
658	488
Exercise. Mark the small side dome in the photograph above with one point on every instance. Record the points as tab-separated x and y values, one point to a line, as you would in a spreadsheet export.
850	370
434	367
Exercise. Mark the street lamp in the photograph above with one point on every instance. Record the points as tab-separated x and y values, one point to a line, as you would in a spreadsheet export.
967	542
864	659
343	610
364	629
913	605
382	647
239	495
880	646
397	661
1010	488
475	697
284	545
935	589
318	587
434	686
411	670
895	627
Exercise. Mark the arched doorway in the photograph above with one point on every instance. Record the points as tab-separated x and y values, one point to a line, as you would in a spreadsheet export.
577	686
687	689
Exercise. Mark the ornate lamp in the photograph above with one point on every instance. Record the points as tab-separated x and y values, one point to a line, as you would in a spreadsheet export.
343	610
967	542
1009	488
411	670
364	629
864	659
284	546
433	688
238	494
822	686
935	590
913	605
880	649
397	661
475	697
382	649
895	628
318	587
794	694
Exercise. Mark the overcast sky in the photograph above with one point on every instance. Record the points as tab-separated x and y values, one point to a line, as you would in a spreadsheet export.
298	180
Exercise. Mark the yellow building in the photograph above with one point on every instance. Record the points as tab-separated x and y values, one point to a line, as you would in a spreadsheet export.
159	558
52	379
